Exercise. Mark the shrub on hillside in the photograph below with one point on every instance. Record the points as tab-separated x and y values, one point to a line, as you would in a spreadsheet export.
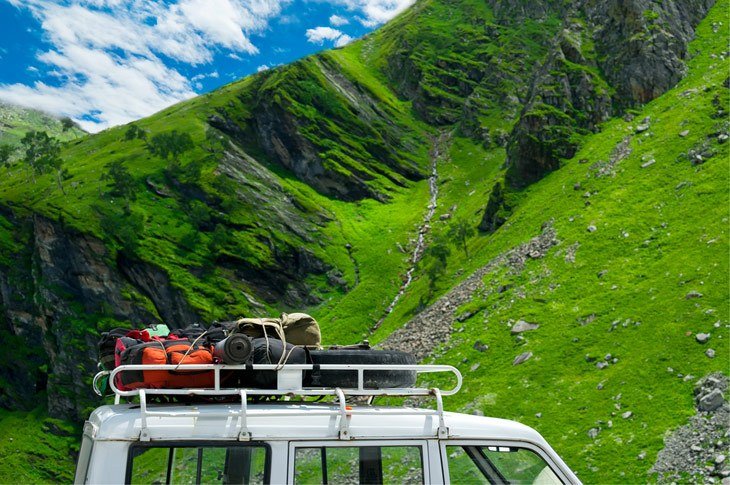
171	144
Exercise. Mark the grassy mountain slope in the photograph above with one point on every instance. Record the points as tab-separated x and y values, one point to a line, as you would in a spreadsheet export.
306	189
661	233
16	121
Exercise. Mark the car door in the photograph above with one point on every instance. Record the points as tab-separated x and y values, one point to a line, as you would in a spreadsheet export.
367	461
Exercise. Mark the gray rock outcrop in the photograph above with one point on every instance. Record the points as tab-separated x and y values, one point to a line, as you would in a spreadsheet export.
642	45
523	357
703	440
523	326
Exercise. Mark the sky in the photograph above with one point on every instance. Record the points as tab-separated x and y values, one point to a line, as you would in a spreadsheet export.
107	62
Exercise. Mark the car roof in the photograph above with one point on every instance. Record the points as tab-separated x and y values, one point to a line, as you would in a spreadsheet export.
296	421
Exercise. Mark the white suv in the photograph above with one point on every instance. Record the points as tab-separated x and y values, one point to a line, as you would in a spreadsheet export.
288	442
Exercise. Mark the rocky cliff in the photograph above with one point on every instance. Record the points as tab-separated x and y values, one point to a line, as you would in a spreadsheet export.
327	129
58	292
608	56
643	46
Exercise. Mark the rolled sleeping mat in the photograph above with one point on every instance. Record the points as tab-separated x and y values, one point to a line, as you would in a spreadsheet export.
372	379
234	349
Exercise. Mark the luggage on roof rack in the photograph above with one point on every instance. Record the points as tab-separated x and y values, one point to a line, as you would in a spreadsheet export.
245	342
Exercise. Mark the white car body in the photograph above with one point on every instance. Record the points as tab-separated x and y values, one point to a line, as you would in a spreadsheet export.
115	434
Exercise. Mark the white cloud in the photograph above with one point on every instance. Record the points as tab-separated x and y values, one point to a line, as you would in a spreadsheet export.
337	21
374	12
343	40
109	92
223	22
378	12
318	35
288	20
262	68
203	75
109	55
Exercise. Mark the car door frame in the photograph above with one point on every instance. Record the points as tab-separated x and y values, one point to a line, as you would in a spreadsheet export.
430	460
556	466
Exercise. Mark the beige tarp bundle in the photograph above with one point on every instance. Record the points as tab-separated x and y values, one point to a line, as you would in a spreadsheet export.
297	328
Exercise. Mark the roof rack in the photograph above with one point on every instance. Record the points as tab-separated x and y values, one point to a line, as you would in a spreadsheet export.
289	383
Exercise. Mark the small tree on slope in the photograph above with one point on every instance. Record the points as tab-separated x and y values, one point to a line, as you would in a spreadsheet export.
439	251
460	232
169	144
42	155
5	152
121	181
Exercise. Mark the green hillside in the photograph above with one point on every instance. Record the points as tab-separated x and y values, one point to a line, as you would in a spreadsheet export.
15	121
306	187
652	276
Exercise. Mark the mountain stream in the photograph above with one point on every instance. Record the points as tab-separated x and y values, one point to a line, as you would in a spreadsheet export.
439	147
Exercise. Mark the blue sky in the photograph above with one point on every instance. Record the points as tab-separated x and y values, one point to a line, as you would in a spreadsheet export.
108	62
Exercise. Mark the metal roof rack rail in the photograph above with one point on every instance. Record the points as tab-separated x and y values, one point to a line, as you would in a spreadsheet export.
289	383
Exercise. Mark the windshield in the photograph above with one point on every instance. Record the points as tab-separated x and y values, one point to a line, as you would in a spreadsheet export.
498	465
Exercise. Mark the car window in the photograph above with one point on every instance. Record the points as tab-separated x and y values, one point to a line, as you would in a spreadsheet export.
462	469
498	464
358	464
198	464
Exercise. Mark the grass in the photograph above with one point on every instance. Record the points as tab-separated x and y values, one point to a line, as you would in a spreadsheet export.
31	453
661	233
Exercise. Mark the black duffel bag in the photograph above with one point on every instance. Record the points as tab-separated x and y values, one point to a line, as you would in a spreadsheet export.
107	344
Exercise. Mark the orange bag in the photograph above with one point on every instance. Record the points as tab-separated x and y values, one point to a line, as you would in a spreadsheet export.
179	352
176	352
